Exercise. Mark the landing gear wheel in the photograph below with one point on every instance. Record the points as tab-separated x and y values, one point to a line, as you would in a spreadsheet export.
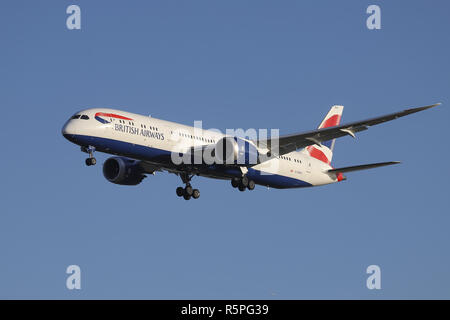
186	196
235	182
195	194
251	185
91	161
244	181
180	191
241	187
188	190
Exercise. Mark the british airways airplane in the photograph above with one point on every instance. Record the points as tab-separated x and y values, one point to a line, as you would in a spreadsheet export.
144	145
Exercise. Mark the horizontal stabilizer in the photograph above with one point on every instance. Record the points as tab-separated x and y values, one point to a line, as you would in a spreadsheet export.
362	167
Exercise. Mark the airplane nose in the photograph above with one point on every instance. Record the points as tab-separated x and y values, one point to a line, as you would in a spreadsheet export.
69	130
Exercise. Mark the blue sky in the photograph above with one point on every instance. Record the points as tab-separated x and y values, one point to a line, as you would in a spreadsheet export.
231	64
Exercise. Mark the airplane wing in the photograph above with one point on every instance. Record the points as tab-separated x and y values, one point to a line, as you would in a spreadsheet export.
148	167
362	167
292	142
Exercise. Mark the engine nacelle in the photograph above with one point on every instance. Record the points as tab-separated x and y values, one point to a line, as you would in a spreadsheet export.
123	171
236	151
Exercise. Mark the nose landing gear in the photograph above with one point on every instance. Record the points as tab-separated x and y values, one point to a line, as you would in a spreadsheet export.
90	150
187	192
91	161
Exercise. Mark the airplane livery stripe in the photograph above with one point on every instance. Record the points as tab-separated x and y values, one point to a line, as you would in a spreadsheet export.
316	153
111	115
331	121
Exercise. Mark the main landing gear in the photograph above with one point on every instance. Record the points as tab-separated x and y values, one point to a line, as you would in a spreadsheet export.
90	150
187	192
243	183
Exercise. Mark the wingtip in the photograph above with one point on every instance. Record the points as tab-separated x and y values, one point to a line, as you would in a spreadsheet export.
417	109
433	105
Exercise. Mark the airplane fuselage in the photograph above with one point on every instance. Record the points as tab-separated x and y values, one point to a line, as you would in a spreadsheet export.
155	141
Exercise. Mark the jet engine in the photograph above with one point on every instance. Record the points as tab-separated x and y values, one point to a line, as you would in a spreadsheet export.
236	151
123	171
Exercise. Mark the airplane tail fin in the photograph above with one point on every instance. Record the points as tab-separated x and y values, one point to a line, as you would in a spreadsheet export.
324	151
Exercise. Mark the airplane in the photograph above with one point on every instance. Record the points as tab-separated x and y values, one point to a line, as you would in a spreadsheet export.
143	145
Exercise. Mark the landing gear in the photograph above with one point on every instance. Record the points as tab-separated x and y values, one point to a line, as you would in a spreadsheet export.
186	196
235	182
187	192
180	191
243	183
91	160
196	194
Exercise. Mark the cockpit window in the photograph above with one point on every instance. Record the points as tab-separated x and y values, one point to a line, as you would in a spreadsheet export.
80	116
